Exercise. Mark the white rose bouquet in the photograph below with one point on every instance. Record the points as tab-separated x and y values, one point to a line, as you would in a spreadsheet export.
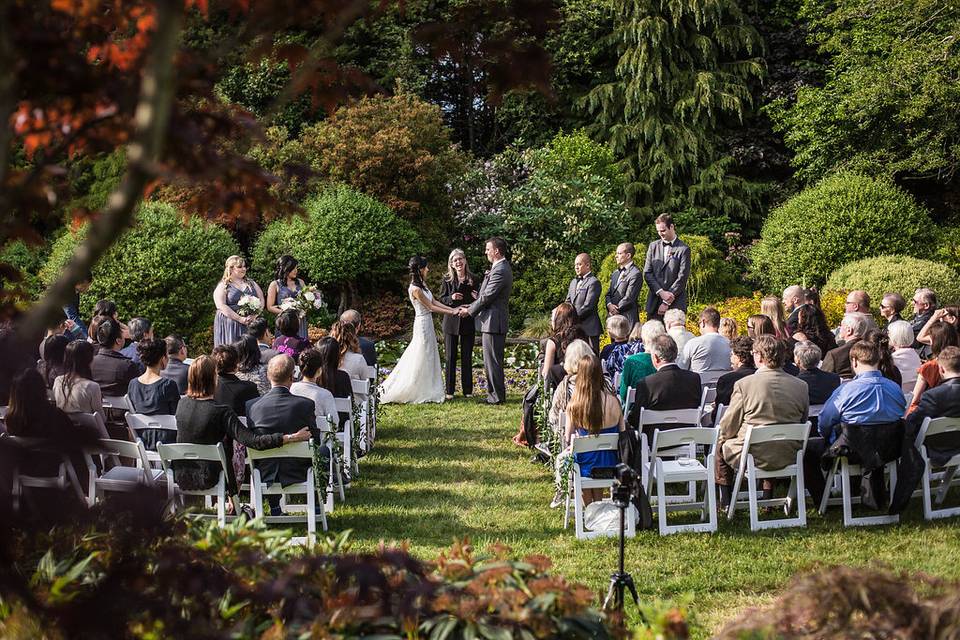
307	299
249	306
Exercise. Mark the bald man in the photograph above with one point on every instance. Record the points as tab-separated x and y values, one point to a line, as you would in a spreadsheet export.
583	294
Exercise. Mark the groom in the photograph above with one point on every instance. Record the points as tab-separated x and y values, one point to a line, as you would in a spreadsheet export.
490	311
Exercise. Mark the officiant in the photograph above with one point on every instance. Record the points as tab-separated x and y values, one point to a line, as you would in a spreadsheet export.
459	288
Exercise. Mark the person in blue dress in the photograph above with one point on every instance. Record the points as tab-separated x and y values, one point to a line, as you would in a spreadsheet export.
286	284
228	325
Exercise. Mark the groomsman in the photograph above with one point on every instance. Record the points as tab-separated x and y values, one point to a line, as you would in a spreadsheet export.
625	284
666	270
584	294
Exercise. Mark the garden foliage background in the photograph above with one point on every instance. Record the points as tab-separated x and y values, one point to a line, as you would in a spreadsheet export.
791	139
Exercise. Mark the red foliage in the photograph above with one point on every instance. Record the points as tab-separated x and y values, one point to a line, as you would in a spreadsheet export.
385	315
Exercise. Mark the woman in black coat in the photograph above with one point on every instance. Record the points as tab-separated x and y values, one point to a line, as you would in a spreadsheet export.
459	288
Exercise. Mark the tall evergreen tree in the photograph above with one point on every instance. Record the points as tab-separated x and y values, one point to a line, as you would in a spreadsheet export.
684	76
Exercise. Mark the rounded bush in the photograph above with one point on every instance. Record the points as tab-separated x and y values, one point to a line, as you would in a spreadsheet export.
901	274
344	236
164	268
845	217
27	259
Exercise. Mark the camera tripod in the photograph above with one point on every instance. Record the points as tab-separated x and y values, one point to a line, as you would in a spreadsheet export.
621	580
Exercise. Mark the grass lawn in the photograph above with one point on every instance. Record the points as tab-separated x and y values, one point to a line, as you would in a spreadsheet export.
442	472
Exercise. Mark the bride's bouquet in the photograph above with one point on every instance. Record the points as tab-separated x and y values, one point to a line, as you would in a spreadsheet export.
249	306
307	299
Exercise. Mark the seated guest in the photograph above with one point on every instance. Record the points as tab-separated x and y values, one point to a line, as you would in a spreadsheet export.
811	326
741	361
820	384
891	306
289	341
668	388
330	377
770	307
107	309
710	351
351	359
905	357
281	412
640	365
869	398
769	396
675	320
620	353
618	328
577	350
231	390
310	364
140	328
258	329
249	367
881	341
792	299
564	329
151	393
760	325
946	314
112	370
942	335
837	361
176	368
367	347
203	420
943	401
924	306
75	391
728	329
58	327
593	410
52	352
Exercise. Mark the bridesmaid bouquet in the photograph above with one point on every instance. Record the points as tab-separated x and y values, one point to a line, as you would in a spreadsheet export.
249	306
306	300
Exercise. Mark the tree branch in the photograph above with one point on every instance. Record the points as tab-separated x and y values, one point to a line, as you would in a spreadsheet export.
151	119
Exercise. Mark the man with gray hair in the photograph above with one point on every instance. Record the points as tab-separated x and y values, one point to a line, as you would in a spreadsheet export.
792	301
367	348
140	328
675	321
837	361
669	388
924	304
820	383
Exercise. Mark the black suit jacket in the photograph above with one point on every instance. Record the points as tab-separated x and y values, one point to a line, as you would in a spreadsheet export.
235	393
820	384
369	350
453	324
177	371
279	411
725	385
838	360
942	401
113	371
669	388
667	269
584	295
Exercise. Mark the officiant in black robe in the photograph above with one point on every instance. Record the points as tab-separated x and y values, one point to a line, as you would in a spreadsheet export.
459	288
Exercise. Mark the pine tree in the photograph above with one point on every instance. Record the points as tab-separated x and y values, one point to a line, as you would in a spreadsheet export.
684	76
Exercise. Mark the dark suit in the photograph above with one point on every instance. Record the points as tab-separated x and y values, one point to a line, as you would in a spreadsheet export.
266	352
492	319
725	385
624	290
279	411
113	371
459	335
666	268
942	401
584	294
820	383
177	371
838	360
669	388
917	324
235	393
369	350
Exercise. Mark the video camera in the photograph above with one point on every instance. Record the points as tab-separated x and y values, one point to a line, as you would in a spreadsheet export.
625	484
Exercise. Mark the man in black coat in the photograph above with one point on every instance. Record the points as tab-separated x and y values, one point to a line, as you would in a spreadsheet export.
112	370
924	305
943	400
176	368
666	270
584	293
279	411
669	388
837	361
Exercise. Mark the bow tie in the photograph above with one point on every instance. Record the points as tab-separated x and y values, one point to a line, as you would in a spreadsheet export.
668	244
621	269
579	278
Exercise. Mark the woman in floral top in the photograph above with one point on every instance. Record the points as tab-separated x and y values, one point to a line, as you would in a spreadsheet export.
621	352
289	341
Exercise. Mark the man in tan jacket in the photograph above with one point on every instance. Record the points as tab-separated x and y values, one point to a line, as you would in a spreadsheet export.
769	396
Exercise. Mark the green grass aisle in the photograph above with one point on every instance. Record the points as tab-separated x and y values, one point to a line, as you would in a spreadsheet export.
441	472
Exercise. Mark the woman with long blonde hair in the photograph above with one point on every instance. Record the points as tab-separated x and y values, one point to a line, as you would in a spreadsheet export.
771	307
228	325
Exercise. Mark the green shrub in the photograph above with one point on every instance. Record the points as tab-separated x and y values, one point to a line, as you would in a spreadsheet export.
538	289
163	268
27	259
845	217
344	236
901	274
948	250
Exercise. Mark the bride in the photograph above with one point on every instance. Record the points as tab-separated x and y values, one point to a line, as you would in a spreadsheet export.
417	377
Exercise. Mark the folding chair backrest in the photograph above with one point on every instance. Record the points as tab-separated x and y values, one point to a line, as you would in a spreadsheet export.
721	409
676	416
603	442
361	387
3	411
815	410
209	452
371	373
631	398
671	438
937	426
142	421
758	434
124	449
91	421
711	377
709	395
345	405
292	450
118	403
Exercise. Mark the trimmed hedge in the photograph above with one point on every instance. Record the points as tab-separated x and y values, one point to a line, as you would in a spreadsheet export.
164	268
27	259
845	217
902	274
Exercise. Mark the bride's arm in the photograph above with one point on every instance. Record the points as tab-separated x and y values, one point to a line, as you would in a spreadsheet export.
433	306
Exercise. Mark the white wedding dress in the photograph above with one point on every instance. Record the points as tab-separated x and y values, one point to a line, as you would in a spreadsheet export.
417	377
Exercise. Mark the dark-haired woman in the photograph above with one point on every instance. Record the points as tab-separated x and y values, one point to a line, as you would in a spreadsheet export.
231	390
248	363
52	351
288	340
812	326
459	288
75	391
942	335
107	309
311	368
152	394
328	374
286	284
417	376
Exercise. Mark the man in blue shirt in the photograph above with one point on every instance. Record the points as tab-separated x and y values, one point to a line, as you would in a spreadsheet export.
867	399
77	330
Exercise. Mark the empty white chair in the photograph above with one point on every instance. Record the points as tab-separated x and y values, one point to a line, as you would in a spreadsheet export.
65	475
361	393
170	453
707	399
758	435
678	417
118	477
933	427
258	489
345	405
685	469
90	421
586	444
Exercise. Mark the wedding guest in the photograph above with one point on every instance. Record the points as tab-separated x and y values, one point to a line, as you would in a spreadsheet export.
351	359
905	357
107	309
59	326
942	335
577	350
760	325
231	390
621	352
741	361
249	367
667	389
618	329
820	384
946	314
666	270
286	285
944	401
675	320
311	362
367	347
891	306
229	325
881	342
625	284
728	329
112	370
793	298
770	307
924	306
812	326
77	328
459	287
176	368
258	329
584	293
51	365
75	391
564	330
288	340
151	393
329	376
140	328
852	328
640	365
709	351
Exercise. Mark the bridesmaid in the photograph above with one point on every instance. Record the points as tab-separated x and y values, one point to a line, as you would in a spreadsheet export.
229	326
459	288
286	284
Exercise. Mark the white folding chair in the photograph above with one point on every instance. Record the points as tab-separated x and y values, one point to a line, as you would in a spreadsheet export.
814	410
708	398
629	400
170	453
258	490
345	405
361	392
118	477
65	476
616	380
758	435
91	422
685	469
373	399
586	444
710	377
933	427
138	422
678	417
847	498
119	403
